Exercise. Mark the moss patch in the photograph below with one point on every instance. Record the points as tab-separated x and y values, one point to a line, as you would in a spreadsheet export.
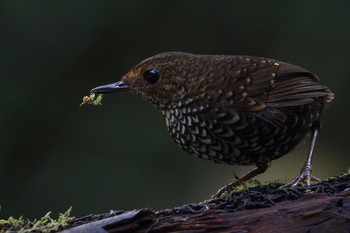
44	224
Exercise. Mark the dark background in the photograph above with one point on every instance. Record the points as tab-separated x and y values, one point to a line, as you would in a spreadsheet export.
54	155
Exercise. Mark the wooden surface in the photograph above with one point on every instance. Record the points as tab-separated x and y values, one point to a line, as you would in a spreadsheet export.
320	208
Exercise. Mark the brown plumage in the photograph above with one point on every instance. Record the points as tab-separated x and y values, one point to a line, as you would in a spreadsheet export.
231	109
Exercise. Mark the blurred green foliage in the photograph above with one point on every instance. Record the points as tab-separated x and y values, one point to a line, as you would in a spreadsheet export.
54	155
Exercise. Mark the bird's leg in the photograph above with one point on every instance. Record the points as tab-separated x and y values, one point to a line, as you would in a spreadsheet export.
305	172
260	168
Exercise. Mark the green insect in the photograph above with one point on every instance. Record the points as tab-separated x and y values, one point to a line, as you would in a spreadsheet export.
92	99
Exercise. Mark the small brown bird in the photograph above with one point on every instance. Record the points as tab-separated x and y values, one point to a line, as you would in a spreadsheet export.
231	109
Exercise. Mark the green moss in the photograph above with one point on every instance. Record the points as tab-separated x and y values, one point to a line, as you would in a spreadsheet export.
11	221
238	189
347	171
44	224
269	187
276	184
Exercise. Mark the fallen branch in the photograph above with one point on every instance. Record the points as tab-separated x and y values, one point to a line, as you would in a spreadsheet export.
322	207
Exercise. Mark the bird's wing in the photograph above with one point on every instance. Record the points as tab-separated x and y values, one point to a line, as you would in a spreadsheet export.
269	83
266	89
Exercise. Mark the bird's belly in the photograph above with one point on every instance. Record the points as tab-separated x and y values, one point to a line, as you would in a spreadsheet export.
249	141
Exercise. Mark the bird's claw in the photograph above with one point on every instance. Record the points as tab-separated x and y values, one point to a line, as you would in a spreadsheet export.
226	189
304	176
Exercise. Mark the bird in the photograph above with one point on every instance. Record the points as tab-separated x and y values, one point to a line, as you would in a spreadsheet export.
237	110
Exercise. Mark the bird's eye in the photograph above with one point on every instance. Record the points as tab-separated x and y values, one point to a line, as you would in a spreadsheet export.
151	76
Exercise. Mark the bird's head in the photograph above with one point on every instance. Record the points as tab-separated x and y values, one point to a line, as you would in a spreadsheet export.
162	79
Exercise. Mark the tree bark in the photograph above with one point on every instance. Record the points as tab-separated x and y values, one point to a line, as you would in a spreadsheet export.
325	209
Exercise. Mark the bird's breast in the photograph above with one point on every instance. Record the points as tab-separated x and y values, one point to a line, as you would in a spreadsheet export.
207	138
234	137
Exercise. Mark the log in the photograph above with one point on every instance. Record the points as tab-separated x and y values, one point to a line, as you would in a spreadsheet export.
322	207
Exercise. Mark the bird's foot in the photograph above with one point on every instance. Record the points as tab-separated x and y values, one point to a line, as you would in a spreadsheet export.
304	176
226	188
260	168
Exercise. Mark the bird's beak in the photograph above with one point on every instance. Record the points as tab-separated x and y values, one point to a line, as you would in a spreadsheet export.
113	87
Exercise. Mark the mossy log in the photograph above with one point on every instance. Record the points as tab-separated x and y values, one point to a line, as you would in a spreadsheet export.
322	207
